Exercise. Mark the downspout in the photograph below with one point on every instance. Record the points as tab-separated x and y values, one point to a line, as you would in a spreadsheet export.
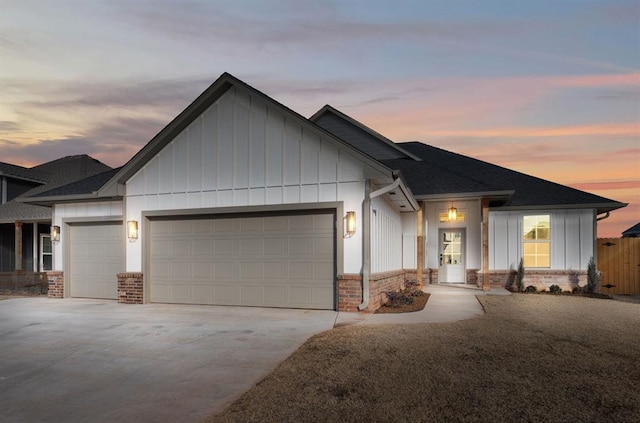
366	235
366	244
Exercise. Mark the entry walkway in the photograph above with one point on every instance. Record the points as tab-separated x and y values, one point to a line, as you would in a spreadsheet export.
446	303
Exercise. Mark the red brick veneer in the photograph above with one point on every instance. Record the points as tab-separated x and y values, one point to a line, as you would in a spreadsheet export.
56	284
130	288
350	289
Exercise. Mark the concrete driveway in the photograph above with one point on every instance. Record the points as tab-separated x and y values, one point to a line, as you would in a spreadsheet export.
76	360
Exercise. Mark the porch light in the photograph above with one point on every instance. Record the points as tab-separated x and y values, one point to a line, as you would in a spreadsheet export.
453	214
132	230
351	223
55	233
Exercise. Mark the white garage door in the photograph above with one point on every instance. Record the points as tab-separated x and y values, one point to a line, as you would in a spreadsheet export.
269	261
96	257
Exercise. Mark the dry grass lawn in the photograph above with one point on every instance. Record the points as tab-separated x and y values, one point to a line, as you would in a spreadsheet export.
531	358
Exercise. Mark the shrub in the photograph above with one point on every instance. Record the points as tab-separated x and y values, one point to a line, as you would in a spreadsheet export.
531	288
412	288
520	275
593	276
577	289
399	299
555	289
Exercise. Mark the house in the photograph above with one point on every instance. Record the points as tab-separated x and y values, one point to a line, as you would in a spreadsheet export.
632	232
25	245
242	201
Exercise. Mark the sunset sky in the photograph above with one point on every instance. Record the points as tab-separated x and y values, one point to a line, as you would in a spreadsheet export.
548	88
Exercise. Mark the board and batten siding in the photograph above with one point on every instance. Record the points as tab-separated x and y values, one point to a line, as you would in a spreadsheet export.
572	238
386	237
243	152
93	211
472	225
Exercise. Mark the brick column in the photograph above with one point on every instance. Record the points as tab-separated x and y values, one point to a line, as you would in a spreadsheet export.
349	292
56	284
130	288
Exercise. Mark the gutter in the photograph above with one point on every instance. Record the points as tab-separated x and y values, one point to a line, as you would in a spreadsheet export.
366	244
606	216
366	237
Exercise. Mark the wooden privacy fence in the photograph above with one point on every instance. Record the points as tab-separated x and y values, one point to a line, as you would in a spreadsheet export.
619	262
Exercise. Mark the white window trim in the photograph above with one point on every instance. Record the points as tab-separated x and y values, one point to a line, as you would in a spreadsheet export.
42	253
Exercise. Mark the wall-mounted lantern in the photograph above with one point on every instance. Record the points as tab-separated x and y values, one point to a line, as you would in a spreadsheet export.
351	223
132	230
55	233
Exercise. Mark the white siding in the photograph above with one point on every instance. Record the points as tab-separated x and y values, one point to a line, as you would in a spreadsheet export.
409	241
472	224
572	238
386	237
242	152
85	211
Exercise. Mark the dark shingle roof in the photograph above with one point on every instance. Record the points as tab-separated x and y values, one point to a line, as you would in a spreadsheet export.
357	135
19	172
83	186
443	172
54	174
633	231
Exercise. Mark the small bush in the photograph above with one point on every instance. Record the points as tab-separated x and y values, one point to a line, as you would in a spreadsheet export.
520	275
555	289
530	288
577	289
399	299
593	276
412	288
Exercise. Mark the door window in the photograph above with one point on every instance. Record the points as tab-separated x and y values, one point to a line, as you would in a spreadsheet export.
451	248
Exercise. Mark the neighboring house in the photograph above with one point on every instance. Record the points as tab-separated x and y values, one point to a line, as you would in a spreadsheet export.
632	232
242	201
25	242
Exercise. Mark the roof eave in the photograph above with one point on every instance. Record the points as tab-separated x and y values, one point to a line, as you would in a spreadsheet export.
599	207
497	195
61	199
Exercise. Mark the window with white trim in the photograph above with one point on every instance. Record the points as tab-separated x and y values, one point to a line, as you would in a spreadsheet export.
536	241
46	253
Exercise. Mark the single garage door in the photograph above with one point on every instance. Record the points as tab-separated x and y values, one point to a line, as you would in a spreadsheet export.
268	261
96	257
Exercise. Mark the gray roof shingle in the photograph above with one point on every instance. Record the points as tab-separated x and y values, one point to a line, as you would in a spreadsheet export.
443	172
54	174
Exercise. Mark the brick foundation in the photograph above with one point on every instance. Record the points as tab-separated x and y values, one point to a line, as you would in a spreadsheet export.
130	288
473	278
541	279
56	284
350	289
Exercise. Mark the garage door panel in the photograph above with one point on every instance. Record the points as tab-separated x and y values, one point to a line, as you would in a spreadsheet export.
96	257
278	261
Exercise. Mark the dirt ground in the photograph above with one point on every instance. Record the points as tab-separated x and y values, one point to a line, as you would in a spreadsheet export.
530	358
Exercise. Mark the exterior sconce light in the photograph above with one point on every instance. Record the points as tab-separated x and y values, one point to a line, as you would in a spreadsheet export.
351	223
453	214
132	230
55	233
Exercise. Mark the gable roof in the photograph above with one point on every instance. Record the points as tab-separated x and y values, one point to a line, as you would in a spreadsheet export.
114	186
54	174
359	136
442	172
633	231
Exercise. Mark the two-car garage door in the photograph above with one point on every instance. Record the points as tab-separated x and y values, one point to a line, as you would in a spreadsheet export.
253	260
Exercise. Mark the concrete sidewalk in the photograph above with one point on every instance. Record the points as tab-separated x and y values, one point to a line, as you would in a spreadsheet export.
447	303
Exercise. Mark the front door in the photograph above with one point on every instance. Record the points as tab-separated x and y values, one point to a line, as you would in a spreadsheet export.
452	265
